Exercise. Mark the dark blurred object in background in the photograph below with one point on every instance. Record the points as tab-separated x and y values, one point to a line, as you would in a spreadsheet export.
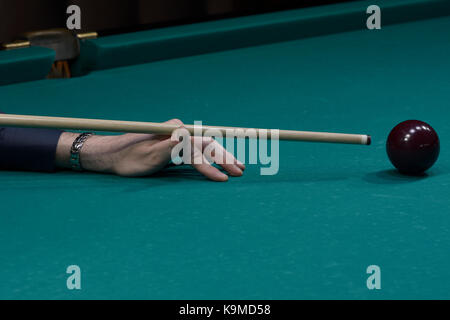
113	16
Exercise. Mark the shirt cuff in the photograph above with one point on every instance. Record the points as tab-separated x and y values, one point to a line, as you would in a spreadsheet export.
28	148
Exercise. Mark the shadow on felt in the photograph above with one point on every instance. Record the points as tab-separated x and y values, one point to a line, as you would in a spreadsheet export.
392	176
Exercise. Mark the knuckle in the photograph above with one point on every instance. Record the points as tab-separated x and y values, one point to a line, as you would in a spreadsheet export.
175	121
208	140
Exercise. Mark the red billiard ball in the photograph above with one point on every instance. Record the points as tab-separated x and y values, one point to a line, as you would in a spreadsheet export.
413	146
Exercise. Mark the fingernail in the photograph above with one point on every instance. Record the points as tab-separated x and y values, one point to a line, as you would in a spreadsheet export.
238	172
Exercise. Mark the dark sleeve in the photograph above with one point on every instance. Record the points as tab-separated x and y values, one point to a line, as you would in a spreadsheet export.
28	148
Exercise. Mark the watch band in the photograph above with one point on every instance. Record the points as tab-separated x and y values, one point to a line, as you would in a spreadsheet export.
75	150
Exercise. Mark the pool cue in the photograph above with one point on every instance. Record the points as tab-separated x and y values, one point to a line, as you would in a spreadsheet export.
14	120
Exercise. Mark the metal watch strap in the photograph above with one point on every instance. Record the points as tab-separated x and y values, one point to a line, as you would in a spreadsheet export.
76	149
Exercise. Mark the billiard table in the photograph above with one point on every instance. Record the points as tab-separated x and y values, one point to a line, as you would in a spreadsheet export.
310	231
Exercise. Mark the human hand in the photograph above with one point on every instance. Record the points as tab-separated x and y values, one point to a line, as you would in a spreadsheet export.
144	154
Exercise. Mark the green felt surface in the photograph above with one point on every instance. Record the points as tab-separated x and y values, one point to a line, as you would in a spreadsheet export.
308	232
25	64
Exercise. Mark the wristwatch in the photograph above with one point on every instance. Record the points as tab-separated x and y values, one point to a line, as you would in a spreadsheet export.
76	149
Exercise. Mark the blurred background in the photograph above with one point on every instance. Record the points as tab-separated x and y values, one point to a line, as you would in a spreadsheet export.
116	16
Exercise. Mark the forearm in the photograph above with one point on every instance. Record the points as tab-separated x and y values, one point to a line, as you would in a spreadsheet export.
128	154
125	155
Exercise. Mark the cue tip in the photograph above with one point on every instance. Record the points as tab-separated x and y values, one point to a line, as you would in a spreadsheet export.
369	140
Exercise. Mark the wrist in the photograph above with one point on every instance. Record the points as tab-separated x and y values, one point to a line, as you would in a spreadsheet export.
75	150
95	155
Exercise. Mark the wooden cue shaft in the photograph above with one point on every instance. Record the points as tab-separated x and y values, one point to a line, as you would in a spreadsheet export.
13	120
